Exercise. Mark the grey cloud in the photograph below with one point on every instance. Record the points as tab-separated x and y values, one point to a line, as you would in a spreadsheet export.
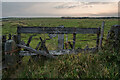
83	5
87	6
65	5
61	7
15	8
92	4
68	5
20	8
96	3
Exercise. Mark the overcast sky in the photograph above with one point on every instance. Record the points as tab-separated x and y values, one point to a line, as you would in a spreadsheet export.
53	9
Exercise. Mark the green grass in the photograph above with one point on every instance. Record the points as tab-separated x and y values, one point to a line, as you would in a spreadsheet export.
73	66
11	27
103	64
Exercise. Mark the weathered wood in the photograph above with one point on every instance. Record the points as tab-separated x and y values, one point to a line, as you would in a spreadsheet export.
86	50
66	38
60	41
3	43
29	40
14	37
97	41
38	46
61	52
101	37
74	39
4	38
43	46
66	43
71	46
57	30
60	38
18	35
44	53
88	40
9	37
27	53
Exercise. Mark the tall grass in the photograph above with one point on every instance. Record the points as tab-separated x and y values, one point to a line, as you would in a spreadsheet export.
101	65
104	64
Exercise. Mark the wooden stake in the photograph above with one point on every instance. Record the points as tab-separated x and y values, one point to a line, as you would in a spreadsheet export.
74	39
102	34
61	40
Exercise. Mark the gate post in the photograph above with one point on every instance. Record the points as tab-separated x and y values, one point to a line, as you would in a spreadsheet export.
61	40
102	34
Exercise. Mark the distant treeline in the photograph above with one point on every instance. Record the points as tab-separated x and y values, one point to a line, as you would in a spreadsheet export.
31	18
27	18
90	17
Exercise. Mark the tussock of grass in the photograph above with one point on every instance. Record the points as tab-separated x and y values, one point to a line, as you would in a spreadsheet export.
74	66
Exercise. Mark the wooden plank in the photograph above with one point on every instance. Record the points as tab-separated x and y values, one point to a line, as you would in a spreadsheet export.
9	37
14	37
19	38
97	41
102	34
18	35
74	39
38	46
29	40
35	51
60	38
43	46
66	43
71	46
60	41
57	30
4	38
3	43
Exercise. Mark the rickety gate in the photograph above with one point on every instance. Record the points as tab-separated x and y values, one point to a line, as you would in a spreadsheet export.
41	49
52	31
60	31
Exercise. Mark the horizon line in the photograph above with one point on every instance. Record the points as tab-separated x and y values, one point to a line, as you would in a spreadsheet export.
52	16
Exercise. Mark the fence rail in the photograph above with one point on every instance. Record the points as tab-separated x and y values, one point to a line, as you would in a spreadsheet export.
58	30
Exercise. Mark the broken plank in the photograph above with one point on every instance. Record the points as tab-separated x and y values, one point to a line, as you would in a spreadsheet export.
44	53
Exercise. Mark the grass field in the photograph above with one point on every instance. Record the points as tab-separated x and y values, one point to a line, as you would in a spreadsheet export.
10	26
67	66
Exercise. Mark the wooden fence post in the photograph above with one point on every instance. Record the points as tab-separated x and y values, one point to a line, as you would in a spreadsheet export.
74	39
4	38
61	40
18	35
9	36
98	38
14	37
102	34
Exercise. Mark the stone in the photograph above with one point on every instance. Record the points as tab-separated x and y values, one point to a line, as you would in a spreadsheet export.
10	45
